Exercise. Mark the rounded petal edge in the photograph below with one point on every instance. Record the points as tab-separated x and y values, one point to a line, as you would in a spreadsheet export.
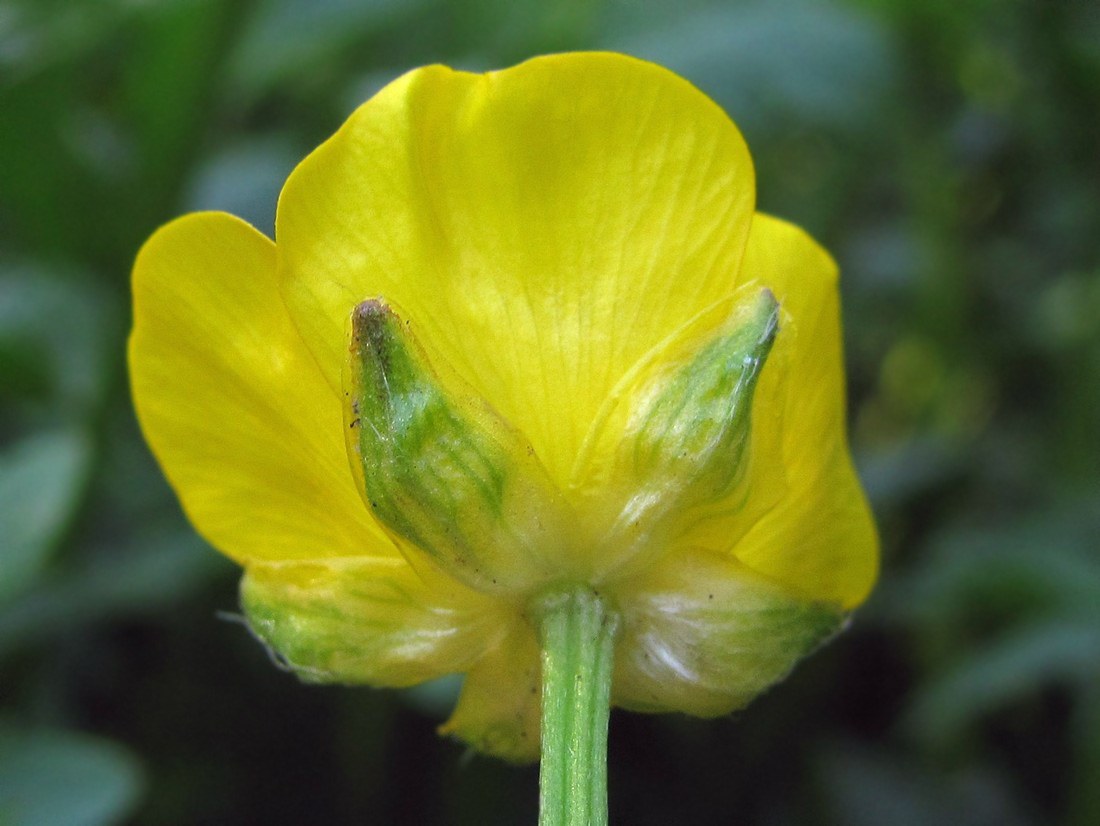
233	405
819	540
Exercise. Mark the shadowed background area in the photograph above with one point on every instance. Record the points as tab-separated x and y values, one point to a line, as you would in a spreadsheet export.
944	152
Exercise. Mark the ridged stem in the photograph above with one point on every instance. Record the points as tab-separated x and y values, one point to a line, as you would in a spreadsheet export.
577	635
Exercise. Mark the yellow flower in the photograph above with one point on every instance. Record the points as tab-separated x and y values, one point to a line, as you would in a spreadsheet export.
518	330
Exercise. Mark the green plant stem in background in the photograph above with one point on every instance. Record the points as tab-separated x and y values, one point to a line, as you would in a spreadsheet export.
577	634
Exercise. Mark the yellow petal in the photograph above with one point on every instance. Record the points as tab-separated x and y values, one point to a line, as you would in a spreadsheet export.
498	710
366	620
541	227
246	428
820	538
703	634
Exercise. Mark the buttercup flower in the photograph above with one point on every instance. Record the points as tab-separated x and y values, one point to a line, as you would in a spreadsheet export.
519	333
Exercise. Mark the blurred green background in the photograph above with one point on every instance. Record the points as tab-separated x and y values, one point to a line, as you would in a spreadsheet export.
947	153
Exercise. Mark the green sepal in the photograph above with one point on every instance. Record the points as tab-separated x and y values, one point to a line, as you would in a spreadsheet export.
704	634
363	620
678	434
442	470
690	433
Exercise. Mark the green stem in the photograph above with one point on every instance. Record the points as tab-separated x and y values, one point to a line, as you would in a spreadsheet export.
577	635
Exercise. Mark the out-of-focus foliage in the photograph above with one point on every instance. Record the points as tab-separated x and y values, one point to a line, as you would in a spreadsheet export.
48	778
946	152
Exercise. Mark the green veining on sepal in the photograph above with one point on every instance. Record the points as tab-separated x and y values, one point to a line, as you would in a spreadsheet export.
690	433
679	434
353	621
441	469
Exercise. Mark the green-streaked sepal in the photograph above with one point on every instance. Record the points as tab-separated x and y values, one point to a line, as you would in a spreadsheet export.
678	433
440	468
688	432
703	634
366	620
